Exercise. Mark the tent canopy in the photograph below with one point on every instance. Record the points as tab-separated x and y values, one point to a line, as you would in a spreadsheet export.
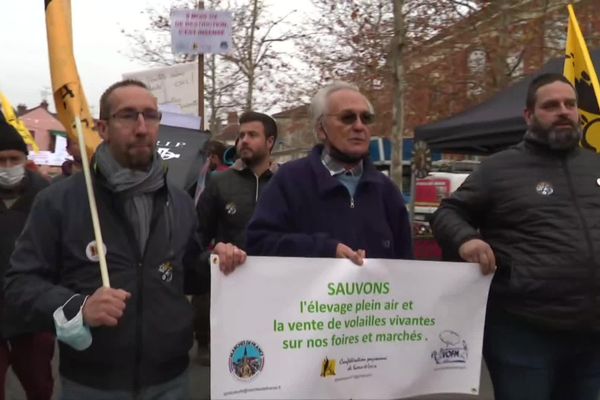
491	126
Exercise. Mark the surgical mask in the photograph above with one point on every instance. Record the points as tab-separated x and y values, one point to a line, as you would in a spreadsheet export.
11	176
73	331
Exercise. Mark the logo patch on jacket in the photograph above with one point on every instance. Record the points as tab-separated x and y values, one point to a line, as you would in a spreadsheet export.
166	271
230	208
544	188
91	251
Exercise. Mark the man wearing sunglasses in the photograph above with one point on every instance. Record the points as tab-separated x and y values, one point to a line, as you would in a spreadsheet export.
131	340
333	203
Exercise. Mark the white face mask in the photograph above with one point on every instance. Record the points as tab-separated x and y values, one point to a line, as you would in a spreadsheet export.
11	176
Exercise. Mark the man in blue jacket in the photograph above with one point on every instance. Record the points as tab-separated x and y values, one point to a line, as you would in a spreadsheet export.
131	340
333	203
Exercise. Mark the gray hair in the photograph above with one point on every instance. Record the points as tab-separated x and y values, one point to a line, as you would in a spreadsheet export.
318	104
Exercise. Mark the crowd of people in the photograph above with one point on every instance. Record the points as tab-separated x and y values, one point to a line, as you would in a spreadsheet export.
529	214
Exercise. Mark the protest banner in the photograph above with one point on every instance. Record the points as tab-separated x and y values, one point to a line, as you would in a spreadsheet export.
201	31
306	328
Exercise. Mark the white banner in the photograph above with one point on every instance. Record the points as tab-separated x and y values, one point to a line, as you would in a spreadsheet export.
177	84
310	328
200	31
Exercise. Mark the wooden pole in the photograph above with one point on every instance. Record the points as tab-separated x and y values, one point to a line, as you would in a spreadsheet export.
201	81
93	208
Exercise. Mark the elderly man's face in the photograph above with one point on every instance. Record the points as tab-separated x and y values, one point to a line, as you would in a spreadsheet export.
131	130
345	124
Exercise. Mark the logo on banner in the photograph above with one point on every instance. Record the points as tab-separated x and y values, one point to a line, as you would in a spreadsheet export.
246	360
327	368
454	353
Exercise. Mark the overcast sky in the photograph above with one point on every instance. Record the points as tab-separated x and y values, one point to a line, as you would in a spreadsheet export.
100	47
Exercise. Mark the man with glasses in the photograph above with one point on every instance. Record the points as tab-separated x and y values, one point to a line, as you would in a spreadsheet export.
333	203
131	340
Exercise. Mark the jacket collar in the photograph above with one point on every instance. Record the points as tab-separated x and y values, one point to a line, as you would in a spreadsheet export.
326	182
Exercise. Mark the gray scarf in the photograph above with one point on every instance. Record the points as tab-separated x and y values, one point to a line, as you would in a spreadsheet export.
137	186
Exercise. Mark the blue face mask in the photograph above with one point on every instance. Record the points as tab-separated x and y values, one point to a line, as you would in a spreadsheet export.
72	332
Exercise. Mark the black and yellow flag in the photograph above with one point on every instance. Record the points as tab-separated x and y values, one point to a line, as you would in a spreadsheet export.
8	113
580	71
69	98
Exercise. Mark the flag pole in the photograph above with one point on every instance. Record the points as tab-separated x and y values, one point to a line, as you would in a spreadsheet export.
201	81
93	208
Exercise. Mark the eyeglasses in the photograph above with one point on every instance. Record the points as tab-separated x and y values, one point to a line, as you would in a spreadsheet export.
131	117
349	118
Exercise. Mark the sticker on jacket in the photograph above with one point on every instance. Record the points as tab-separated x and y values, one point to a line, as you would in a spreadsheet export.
91	251
166	271
230	208
544	188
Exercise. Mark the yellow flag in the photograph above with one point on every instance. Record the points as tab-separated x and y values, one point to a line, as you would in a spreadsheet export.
69	98
11	118
580	71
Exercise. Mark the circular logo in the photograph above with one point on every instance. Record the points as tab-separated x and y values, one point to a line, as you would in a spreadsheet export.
246	360
91	251
544	188
230	208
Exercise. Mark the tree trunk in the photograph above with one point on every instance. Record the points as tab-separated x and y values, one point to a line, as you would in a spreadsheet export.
250	60
398	129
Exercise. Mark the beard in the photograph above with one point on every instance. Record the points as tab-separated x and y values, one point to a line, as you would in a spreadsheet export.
555	136
251	157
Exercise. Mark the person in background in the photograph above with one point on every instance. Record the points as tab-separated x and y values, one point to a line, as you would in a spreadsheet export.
28	349
70	167
227	204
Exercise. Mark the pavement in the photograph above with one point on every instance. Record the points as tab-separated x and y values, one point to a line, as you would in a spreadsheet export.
200	384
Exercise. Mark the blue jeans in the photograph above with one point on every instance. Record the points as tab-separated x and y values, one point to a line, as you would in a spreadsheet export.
175	389
527	362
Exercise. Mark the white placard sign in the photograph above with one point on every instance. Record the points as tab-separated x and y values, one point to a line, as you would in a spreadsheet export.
177	84
200	31
300	328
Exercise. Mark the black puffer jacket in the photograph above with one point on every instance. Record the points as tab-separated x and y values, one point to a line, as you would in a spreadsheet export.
227	204
12	221
53	260
540	211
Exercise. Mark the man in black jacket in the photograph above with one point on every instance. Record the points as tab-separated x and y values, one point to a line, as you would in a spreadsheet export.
533	212
227	204
27	349
131	340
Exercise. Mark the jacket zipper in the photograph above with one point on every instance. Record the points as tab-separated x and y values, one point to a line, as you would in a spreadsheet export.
586	233
256	193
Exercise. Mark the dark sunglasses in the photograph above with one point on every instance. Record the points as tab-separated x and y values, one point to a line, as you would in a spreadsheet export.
349	118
